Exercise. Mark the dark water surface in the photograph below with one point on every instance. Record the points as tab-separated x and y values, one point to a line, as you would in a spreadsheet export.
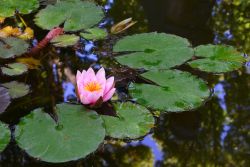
216	134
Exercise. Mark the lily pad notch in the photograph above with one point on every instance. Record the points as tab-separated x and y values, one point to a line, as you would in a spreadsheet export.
79	133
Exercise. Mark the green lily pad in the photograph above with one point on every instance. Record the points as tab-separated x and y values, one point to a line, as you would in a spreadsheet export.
153	50
76	15
65	40
10	47
16	89
14	69
79	133
8	7
217	58
176	91
4	136
94	34
133	121
4	99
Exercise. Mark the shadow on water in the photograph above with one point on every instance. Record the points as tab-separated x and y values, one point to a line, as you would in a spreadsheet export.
216	134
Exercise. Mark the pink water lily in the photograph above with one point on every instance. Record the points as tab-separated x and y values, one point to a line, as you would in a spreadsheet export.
93	87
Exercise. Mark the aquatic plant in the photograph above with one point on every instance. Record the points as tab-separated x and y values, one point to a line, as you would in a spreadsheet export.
93	88
73	131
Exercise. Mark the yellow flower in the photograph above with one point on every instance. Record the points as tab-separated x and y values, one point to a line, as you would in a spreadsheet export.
27	34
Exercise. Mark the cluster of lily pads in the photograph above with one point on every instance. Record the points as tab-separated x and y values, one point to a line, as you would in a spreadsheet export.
79	130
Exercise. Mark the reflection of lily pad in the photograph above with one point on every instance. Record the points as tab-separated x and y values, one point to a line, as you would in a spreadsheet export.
133	121
16	89
14	69
8	7
4	136
4	99
76	15
78	133
65	40
217	58
94	34
10	47
153	51
177	91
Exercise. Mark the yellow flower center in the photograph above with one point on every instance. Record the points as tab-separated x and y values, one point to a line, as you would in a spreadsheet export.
93	86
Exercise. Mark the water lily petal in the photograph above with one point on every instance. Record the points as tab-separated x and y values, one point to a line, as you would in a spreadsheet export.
93	97
109	85
78	75
100	76
109	95
89	76
84	99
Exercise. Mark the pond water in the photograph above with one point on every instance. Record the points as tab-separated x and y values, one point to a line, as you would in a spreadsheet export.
215	134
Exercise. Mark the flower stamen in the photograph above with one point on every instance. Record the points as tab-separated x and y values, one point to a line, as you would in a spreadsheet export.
92	86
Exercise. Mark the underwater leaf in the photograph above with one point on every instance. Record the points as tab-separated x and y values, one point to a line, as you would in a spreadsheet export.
78	133
31	62
217	58
65	40
16	89
153	50
10	47
133	121
94	34
4	136
4	99
14	69
75	15
176	91
9	7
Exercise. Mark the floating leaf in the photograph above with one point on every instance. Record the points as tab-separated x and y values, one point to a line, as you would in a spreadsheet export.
94	34
65	40
10	47
153	51
78	133
177	91
133	121
9	7
4	99
14	69
16	89
4	136
217	58
76	15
